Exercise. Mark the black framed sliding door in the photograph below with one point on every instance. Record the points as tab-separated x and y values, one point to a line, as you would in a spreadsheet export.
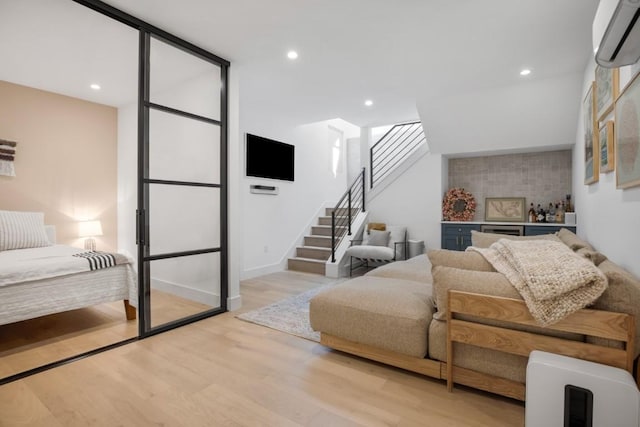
182	209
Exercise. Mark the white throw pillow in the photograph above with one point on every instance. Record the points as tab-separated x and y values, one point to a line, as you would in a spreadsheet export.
398	234
378	238
21	230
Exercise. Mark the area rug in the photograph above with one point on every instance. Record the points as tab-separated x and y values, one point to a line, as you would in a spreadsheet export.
290	315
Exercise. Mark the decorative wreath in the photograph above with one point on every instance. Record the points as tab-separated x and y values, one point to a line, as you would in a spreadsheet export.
458	205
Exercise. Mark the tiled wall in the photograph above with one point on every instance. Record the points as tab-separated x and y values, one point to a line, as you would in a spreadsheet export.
539	177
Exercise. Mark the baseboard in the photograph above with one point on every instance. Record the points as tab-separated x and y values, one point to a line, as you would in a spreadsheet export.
234	303
198	295
261	271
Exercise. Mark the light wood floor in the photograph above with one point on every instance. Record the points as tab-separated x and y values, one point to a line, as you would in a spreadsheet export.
223	371
36	342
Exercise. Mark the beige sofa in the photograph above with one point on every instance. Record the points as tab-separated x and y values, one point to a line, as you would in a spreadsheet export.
397	314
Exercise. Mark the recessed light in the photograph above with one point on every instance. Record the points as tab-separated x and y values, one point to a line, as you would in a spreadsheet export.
525	72
368	103
95	86
292	54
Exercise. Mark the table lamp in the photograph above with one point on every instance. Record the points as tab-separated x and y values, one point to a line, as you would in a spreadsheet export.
90	229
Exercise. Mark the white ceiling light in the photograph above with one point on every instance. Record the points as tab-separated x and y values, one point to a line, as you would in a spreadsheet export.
368	103
95	86
525	72
292	54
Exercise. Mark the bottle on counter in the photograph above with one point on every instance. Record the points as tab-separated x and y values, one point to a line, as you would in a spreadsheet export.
541	214
551	213
560	213
568	206
532	214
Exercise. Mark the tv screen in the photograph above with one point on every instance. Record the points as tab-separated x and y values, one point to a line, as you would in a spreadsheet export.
267	158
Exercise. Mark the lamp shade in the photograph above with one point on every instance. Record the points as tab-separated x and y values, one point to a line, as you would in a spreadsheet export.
89	228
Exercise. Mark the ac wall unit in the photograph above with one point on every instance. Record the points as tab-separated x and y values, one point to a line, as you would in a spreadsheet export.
616	33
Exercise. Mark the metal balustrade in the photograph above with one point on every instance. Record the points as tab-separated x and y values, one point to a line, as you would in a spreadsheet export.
393	148
346	210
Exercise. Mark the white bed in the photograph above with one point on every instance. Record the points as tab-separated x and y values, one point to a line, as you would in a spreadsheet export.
39	292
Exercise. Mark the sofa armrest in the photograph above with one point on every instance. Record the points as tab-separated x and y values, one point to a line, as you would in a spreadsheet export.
599	323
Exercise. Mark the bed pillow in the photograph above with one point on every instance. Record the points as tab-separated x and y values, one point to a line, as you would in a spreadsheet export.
21	230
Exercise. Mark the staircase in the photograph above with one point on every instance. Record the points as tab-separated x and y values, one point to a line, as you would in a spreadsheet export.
316	250
395	148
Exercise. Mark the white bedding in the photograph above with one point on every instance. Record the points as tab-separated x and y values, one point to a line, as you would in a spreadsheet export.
33	285
23	265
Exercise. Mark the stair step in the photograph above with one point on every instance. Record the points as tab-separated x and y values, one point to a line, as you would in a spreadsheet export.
307	265
326	220
341	211
313	252
319	241
325	230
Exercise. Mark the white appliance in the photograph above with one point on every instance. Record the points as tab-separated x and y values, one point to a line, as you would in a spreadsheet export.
563	391
616	33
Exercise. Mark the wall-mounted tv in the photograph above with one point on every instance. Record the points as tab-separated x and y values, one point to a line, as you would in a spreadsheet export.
266	158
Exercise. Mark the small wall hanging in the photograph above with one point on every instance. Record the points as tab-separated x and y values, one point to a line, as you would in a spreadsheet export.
458	205
7	156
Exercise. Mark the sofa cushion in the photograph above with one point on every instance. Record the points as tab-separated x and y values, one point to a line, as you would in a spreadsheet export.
622	296
594	256
398	235
378	238
392	314
377	226
492	362
459	259
570	239
486	283
383	253
484	240
481	282
417	269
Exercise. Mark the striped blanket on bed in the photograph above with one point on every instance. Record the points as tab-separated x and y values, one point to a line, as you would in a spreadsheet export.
98	260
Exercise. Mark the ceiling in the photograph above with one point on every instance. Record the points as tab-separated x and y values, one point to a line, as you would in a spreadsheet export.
403	55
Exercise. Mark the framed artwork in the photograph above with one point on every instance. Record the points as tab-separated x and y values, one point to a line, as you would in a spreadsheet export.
627	136
607	86
504	209
607	156
590	137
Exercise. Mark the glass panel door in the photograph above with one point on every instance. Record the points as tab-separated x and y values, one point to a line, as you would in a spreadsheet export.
182	215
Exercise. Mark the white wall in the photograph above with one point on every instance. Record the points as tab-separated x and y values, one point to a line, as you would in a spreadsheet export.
273	225
606	217
531	115
414	200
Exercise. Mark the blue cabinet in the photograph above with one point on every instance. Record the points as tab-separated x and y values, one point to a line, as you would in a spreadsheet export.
536	230
457	236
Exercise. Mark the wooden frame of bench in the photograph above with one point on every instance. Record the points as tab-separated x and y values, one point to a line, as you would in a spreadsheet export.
597	323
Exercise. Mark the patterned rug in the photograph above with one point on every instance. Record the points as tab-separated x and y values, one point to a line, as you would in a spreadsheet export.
290	315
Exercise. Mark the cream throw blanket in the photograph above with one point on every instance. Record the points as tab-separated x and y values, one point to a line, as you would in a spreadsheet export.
553	280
